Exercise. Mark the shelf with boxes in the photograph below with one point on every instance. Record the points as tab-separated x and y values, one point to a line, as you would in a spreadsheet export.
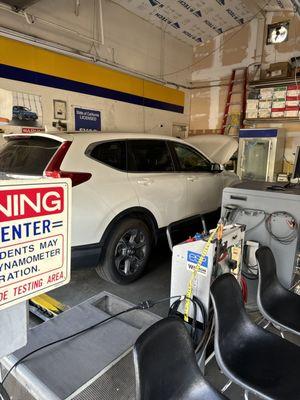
274	103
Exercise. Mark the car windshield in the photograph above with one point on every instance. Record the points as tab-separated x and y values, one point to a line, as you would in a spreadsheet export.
27	156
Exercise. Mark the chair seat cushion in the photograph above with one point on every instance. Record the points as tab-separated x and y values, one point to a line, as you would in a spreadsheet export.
266	362
283	307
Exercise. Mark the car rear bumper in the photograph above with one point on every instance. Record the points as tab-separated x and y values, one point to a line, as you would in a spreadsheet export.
86	256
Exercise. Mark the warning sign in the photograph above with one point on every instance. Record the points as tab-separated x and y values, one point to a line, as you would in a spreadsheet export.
34	238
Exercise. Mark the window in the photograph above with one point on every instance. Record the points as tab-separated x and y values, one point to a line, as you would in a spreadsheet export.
27	156
149	156
111	153
190	160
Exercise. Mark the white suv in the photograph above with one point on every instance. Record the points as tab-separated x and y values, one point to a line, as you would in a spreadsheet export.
125	188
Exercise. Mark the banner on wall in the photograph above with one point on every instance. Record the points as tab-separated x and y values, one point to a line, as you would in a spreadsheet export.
20	109
87	120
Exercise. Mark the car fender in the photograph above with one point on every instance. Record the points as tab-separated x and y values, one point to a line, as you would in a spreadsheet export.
132	212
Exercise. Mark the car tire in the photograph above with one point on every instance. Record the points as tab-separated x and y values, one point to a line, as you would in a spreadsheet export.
127	251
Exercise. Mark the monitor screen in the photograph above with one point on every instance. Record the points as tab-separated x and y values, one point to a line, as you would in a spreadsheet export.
296	171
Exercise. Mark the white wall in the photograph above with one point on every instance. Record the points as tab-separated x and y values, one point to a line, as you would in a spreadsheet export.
128	40
116	116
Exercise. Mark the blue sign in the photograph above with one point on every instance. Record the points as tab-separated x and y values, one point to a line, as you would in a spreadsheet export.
87	120
194	258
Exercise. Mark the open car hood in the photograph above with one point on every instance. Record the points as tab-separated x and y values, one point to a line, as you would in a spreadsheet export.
218	148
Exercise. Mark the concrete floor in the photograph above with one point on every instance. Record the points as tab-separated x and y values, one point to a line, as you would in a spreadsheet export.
155	284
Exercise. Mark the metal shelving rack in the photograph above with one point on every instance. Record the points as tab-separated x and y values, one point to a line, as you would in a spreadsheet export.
268	120
270	83
277	82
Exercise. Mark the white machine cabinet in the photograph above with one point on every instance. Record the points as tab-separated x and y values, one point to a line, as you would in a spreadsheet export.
252	200
260	154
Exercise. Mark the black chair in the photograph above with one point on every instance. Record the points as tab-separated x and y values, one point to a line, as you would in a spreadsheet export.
276	303
257	360
166	367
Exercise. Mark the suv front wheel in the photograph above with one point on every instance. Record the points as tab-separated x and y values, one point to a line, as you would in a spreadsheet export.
127	251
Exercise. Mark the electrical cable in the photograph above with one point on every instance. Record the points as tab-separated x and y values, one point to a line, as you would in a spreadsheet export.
239	209
141	306
267	218
222	45
283	239
196	304
252	273
258	224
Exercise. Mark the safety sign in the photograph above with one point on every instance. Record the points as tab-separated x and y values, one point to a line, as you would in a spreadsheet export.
35	217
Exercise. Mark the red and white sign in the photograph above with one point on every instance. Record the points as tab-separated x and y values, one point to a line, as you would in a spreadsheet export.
32	130
35	250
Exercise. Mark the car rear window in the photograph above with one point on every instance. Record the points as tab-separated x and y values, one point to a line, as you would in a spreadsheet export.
27	156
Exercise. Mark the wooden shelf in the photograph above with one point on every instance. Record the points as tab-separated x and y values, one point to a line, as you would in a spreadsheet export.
268	120
275	82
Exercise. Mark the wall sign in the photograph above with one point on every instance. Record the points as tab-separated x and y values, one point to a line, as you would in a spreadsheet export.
60	109
32	130
34	238
87	120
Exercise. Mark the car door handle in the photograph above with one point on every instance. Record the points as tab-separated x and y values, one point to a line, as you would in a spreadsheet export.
192	178
145	181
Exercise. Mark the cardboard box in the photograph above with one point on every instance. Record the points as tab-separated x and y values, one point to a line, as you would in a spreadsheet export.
265	104
292	101
296	71
277	114
266	93
277	70
252	104
293	90
280	103
291	112
251	114
264	113
279	92
253	94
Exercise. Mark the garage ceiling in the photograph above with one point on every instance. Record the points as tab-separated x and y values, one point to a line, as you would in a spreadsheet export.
196	21
19	4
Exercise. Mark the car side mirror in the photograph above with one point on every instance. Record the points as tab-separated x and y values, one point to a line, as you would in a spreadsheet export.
216	167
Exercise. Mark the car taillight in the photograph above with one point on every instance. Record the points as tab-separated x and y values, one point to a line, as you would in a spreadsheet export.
53	168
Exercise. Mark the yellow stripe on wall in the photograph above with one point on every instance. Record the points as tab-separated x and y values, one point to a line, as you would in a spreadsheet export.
33	58
159	92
